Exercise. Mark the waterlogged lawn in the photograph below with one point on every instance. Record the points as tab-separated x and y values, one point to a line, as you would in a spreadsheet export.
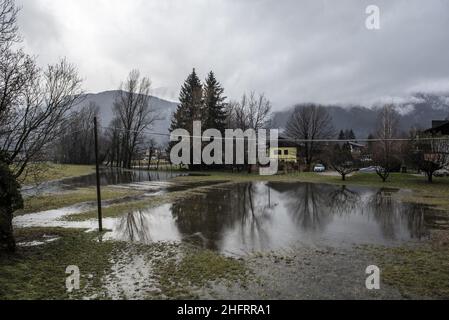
56	201
117	210
176	271
181	278
42	172
421	271
165	270
38	272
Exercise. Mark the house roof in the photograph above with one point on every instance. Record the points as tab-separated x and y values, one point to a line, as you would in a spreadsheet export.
439	127
284	142
357	145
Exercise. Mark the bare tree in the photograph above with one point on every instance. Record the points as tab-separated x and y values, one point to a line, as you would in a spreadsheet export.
151	148
310	122
37	114
431	153
114	138
8	23
17	72
251	112
134	114
76	144
14	65
386	151
341	160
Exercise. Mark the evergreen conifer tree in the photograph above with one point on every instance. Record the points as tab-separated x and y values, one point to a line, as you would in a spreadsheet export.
190	106
190	109
214	104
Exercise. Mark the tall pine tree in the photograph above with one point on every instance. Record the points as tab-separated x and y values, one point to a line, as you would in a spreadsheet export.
214	104
190	107
351	135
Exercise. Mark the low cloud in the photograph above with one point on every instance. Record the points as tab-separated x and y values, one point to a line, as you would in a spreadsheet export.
294	51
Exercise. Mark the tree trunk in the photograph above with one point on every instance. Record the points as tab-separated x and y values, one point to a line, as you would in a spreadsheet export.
150	155
429	177
7	241
343	177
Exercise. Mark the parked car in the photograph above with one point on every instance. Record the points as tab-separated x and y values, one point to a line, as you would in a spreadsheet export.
319	168
441	173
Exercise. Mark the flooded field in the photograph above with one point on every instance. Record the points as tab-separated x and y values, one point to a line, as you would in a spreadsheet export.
248	240
253	217
244	218
107	177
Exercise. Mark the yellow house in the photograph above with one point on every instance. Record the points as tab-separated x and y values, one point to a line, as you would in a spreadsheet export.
285	152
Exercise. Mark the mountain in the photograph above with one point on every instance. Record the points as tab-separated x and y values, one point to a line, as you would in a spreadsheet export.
418	113
105	101
166	93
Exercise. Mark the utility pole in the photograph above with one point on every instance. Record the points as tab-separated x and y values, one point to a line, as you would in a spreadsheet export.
97	169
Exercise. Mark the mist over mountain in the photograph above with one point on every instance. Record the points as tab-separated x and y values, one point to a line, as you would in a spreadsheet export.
418	113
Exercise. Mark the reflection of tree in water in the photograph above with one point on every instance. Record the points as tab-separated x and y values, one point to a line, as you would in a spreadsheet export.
390	214
253	215
343	200
384	210
134	227
307	204
215	212
416	220
206	215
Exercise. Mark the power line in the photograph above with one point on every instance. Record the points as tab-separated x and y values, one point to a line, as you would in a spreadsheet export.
285	139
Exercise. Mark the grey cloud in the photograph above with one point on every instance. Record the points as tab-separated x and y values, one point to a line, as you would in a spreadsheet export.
294	51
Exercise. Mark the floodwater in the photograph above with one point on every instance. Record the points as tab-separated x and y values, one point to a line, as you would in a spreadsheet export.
107	177
255	217
243	218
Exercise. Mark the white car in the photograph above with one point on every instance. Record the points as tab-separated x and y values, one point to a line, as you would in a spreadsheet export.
441	173
319	168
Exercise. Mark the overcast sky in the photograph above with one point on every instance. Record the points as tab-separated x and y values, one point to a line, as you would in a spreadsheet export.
294	51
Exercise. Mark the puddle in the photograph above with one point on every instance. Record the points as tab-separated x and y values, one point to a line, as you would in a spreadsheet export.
244	218
252	217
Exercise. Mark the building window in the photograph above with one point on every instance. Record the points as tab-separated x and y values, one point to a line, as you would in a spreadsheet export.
286	152
279	152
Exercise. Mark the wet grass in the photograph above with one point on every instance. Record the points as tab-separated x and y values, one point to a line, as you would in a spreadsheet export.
117	210
41	172
184	274
38	272
60	200
417	271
